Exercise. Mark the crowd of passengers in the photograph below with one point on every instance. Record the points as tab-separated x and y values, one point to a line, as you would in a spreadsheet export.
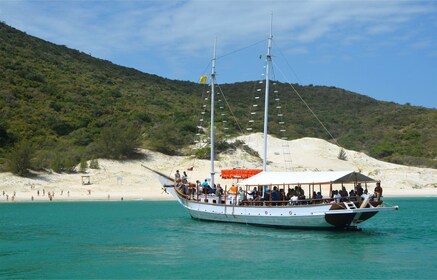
294	196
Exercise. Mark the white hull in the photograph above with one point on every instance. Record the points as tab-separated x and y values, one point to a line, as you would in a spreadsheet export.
301	216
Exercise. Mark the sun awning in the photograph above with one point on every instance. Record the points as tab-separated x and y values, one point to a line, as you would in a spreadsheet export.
310	177
238	173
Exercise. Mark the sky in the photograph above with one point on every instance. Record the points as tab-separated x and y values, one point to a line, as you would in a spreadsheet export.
383	49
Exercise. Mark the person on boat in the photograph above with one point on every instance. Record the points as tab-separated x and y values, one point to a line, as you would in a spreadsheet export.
343	192
283	195
210	190
359	189
255	194
352	194
267	194
276	196
219	194
191	189
294	199
185	189
300	192
233	190
319	197
206	189
337	196
177	176
378	191
185	178
198	186
289	193
359	192
241	195
205	183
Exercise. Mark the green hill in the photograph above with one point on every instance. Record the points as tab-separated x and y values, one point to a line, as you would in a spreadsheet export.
62	106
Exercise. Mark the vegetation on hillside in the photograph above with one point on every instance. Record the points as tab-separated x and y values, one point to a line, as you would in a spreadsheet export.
59	107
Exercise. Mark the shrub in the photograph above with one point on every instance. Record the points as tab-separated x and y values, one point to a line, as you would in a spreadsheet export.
83	165
19	161
342	154
94	164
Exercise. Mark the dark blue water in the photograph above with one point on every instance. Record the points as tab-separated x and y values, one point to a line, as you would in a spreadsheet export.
159	240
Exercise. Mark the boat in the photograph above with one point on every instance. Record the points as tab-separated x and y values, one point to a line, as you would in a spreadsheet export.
260	199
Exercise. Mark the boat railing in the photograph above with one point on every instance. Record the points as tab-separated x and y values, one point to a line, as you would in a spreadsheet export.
231	199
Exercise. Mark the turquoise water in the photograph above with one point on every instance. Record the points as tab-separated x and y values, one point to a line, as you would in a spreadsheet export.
159	240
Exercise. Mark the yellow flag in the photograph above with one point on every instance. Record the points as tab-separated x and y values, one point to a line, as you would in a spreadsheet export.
203	79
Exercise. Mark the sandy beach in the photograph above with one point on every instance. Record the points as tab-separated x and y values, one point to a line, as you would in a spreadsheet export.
130	180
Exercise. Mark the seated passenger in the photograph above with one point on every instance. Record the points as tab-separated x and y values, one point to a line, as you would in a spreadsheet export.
337	196
289	193
212	190
294	199
276	196
282	193
343	192
300	193
267	195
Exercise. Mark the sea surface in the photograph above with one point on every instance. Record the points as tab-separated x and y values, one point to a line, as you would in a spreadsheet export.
148	240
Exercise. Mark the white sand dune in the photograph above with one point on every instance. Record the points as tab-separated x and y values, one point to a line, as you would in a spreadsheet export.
129	180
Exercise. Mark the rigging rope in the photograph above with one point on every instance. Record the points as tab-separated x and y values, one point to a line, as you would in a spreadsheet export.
230	109
305	103
241	49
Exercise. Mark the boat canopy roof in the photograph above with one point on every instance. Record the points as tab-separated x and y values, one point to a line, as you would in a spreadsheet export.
307	177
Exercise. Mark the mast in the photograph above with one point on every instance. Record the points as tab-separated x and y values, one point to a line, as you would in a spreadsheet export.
212	114
266	104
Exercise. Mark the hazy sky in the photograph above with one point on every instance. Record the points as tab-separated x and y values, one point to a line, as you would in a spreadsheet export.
383	49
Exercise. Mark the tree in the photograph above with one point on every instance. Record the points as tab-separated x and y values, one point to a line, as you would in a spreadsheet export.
119	140
83	165
19	161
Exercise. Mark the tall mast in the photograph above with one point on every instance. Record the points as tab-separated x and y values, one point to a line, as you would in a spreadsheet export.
266	104
212	114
